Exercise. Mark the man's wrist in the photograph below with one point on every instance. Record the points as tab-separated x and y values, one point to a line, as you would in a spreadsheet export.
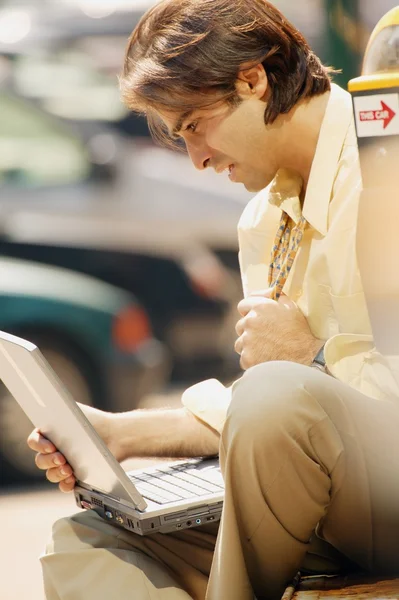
319	360
102	422
170	433
114	439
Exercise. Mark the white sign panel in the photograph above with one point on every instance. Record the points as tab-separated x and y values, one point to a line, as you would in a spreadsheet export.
377	115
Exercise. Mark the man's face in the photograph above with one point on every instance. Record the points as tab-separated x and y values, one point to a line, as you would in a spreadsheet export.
232	139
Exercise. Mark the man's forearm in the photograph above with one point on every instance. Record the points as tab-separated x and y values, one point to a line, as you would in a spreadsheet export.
173	433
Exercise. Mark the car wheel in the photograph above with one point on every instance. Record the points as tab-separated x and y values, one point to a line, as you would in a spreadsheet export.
16	459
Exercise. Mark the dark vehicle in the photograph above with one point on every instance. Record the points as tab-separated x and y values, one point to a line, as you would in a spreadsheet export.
189	316
97	338
57	208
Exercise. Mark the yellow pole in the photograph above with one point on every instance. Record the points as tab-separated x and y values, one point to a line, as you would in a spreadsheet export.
375	97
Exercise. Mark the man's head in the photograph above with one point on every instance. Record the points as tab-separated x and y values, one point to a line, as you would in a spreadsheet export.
221	74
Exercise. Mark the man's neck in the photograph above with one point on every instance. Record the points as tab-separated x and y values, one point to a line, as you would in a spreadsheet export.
302	129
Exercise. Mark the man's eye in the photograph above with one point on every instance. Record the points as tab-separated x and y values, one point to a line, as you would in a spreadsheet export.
192	127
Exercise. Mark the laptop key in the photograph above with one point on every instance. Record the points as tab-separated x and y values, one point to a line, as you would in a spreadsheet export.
147	489
169	483
212	475
143	485
193	490
208	486
163	483
216	481
153	498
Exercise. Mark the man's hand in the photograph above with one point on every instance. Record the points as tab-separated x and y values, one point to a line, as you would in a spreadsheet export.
53	462
49	459
270	330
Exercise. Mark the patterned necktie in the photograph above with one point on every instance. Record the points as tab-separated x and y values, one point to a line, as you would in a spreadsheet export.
284	251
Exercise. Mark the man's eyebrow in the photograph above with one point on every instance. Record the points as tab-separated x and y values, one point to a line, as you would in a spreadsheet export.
177	128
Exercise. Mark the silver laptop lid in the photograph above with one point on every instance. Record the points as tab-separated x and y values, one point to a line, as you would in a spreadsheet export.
50	407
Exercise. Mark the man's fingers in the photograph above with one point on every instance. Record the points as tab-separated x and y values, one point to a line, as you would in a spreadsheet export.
67	485
37	442
286	301
48	461
53	462
266	293
240	327
57	474
248	304
239	345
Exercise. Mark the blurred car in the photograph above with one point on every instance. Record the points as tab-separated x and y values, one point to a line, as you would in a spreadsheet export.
189	309
82	41
61	204
67	55
97	338
70	71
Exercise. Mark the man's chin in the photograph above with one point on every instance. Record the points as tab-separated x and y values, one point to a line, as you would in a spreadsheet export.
254	189
257	186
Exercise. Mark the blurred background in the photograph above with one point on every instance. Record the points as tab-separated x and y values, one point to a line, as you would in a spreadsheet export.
117	258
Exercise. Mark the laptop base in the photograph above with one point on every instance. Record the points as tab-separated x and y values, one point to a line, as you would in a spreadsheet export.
113	512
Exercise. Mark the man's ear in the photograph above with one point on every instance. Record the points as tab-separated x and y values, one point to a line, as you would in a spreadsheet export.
252	82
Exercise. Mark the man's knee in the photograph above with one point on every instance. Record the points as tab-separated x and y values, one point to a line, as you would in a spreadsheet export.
271	400
82	530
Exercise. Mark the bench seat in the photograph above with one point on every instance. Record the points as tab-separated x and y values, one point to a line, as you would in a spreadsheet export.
347	587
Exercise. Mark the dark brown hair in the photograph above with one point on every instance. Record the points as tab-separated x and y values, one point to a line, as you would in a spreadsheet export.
187	54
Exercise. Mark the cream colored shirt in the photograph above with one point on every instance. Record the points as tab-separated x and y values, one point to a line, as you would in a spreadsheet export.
325	281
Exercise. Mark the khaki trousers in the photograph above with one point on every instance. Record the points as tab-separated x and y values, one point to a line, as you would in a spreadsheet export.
300	452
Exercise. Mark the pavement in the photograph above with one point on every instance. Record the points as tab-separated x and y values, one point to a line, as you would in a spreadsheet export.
26	516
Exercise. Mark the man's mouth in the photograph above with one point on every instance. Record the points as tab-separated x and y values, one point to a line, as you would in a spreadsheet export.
229	169
232	173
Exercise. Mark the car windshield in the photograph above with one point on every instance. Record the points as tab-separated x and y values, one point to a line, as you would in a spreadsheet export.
35	150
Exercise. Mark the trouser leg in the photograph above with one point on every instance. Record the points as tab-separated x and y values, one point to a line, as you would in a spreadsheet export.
300	451
90	559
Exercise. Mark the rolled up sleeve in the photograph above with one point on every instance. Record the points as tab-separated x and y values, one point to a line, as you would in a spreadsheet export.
208	401
353	359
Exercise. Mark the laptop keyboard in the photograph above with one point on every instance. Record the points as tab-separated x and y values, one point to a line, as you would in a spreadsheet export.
179	482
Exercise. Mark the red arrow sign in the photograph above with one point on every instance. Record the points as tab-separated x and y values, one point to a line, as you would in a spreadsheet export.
386	114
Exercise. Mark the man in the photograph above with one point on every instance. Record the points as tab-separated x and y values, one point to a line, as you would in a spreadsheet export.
309	458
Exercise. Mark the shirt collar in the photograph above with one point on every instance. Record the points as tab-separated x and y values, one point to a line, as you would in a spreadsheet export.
284	192
285	189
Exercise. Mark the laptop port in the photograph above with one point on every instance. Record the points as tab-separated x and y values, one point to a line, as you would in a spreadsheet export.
211	518
96	501
189	523
108	513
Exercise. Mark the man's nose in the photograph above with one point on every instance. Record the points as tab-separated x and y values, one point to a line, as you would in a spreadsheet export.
200	156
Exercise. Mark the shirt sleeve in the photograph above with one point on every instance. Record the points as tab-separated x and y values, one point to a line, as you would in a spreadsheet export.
354	360
208	401
351	358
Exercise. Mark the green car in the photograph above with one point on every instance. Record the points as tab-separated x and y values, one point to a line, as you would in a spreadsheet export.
97	338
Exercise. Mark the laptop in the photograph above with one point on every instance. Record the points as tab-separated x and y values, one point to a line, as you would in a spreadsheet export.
165	498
